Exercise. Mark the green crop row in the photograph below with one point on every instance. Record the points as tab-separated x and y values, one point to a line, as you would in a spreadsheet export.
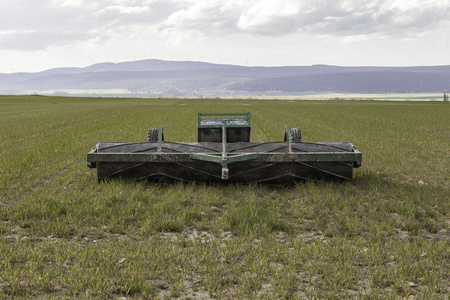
63	235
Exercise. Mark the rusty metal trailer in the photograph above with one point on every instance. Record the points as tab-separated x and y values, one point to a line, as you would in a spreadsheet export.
225	154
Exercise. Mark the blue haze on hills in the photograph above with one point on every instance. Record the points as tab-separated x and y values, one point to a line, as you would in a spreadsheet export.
176	78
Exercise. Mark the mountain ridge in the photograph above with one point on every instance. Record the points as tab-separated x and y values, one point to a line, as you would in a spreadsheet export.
189	78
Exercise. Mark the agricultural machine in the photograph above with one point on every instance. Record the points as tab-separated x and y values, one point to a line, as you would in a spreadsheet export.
224	153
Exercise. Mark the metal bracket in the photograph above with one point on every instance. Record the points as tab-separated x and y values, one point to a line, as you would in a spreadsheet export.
224	153
224	160
160	133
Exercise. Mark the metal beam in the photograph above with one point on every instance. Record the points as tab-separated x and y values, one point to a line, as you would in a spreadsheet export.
217	157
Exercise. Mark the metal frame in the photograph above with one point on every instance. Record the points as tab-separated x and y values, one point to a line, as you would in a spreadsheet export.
94	157
205	159
223	158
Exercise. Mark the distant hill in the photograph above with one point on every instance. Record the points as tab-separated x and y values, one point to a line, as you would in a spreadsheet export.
171	78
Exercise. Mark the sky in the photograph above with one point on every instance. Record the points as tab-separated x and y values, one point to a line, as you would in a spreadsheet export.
36	35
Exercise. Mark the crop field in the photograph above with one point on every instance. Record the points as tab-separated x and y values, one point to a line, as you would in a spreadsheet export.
63	235
340	96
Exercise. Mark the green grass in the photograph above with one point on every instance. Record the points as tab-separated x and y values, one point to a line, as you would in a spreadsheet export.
63	235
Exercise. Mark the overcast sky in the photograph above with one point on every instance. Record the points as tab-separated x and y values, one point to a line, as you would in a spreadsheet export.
40	34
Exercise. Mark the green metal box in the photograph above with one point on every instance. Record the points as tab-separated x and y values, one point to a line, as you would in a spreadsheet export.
210	126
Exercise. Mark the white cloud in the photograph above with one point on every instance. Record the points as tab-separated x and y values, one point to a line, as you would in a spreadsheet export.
38	24
271	17
344	19
200	19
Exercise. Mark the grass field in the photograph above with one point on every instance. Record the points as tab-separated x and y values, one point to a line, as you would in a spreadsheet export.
63	235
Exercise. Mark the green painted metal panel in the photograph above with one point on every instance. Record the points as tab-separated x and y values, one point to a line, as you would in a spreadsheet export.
190	157
238	127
